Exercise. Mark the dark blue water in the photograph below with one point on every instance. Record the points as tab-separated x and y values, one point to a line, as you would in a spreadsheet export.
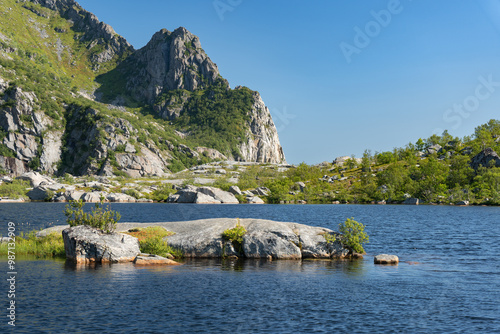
454	287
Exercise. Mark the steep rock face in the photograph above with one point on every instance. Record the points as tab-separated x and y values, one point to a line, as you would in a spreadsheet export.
25	131
89	150
13	166
171	60
262	143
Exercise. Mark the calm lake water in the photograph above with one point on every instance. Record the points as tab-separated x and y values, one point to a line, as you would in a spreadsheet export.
454	287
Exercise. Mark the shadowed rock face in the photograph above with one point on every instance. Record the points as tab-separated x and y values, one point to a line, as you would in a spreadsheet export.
485	158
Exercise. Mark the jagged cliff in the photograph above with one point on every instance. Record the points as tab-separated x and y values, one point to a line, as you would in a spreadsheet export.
75	97
262	143
171	60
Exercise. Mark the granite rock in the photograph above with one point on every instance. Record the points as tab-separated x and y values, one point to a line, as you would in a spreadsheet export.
84	244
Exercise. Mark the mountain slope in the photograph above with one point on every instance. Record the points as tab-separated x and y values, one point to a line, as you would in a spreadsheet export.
75	97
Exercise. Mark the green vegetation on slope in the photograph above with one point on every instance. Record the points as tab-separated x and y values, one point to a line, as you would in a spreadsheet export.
216	117
440	177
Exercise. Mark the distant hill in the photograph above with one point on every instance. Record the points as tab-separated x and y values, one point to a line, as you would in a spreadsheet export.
75	97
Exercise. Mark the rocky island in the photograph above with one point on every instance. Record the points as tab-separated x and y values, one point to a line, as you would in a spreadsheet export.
205	239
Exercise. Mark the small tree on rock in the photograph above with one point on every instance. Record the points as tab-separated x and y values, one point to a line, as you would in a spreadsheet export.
100	217
353	235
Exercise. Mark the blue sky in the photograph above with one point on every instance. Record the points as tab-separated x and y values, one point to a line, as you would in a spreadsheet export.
342	76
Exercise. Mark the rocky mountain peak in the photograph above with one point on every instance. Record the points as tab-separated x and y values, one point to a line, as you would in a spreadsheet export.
171	60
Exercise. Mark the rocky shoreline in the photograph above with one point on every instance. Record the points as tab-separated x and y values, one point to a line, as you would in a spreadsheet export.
44	188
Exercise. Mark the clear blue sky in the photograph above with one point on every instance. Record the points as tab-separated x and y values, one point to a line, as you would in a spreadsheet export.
337	79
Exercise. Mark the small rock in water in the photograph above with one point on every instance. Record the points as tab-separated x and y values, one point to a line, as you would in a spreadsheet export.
386	259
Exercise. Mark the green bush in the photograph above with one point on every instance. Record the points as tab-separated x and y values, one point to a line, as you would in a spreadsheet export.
100	218
120	148
223	183
133	192
154	245
162	193
68	179
15	189
353	235
34	164
279	190
235	235
119	173
176	166
329	238
6	152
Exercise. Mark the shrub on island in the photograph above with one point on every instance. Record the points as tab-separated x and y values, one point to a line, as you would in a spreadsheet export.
101	218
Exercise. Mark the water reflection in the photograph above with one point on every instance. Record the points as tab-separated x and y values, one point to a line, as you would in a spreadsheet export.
72	266
351	268
114	269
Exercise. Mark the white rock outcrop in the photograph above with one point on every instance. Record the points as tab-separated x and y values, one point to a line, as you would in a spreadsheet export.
202	195
262	143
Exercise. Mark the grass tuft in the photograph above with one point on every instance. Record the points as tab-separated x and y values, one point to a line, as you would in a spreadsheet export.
151	241
50	246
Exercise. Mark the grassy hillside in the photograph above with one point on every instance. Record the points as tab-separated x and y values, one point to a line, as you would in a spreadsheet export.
444	177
